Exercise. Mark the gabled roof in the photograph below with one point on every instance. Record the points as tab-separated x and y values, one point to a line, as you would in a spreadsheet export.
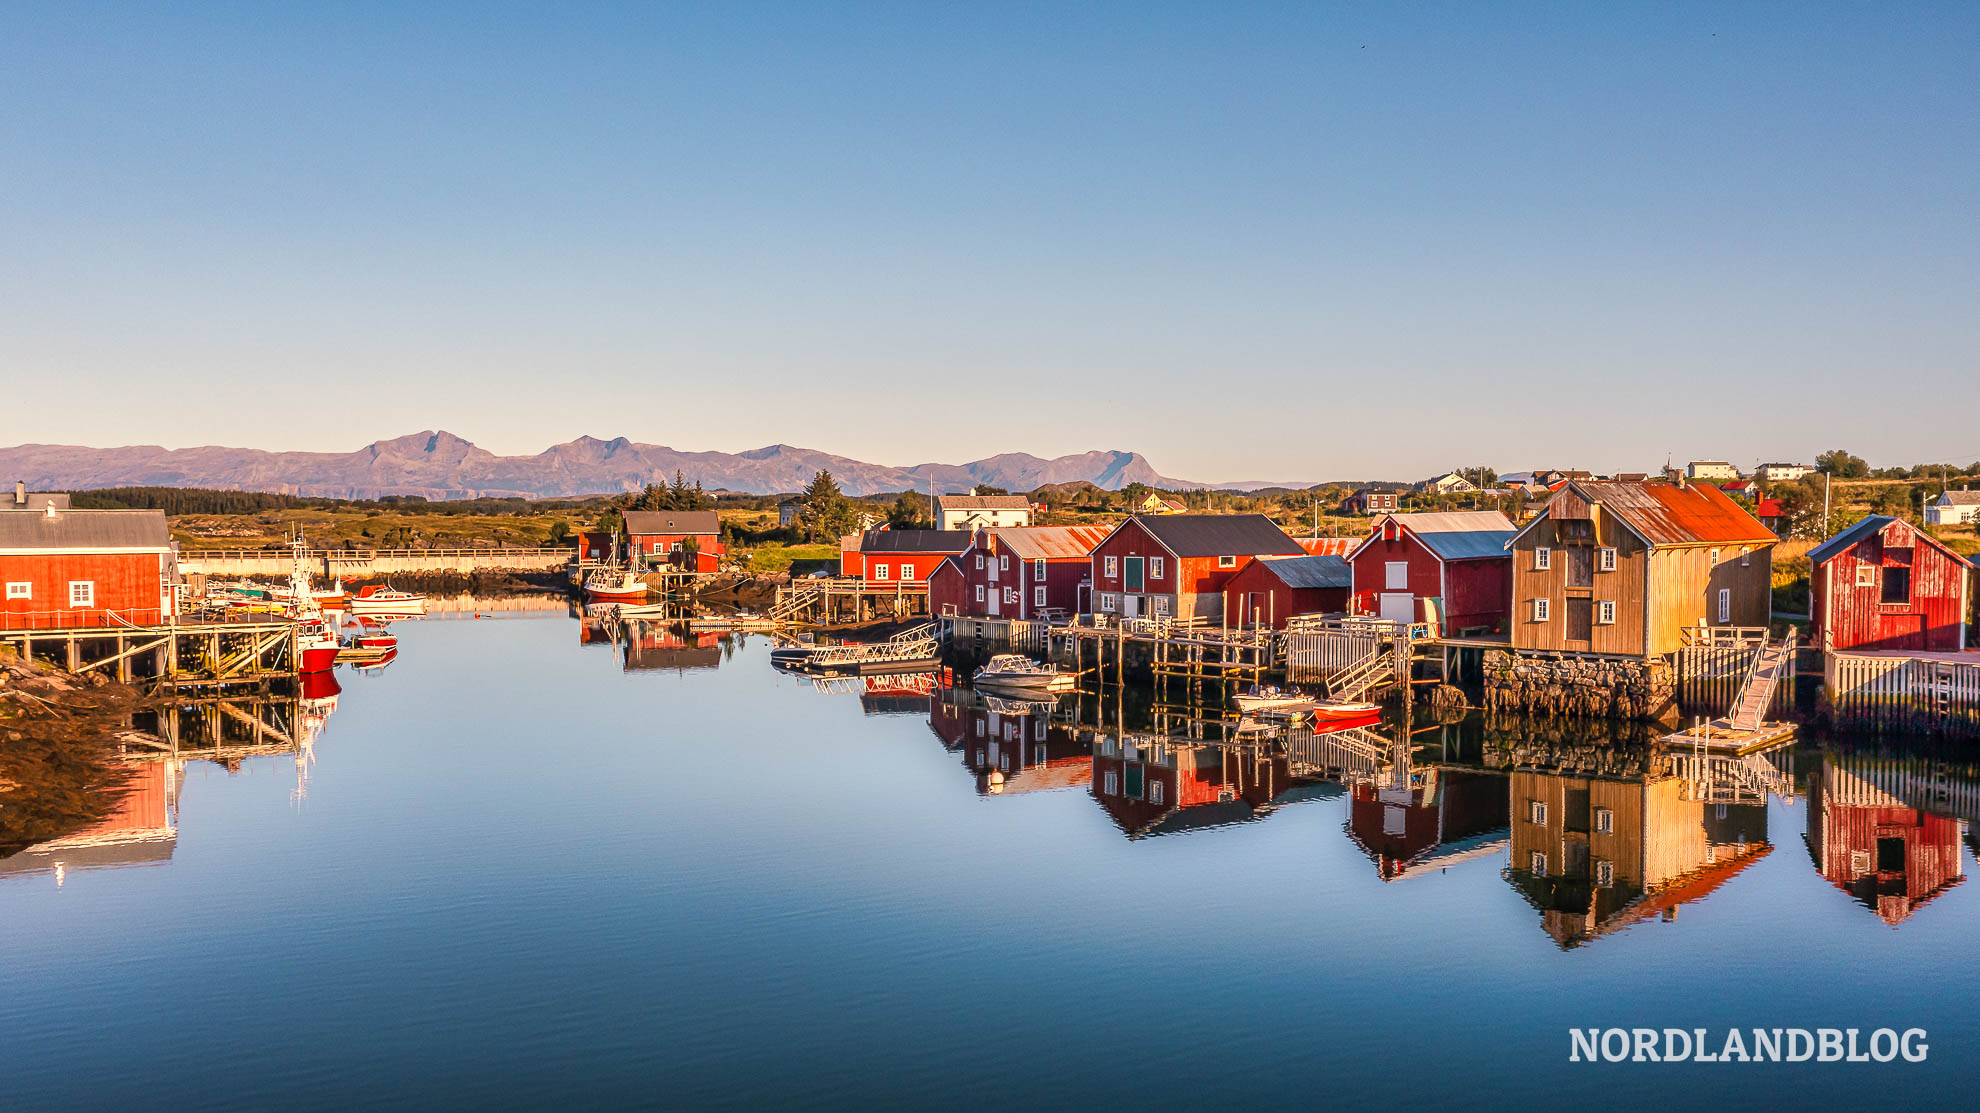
1666	514
645	523
69	530
1958	498
1328	546
915	540
982	502
1202	535
1050	542
1301	572
1453	534
1874	524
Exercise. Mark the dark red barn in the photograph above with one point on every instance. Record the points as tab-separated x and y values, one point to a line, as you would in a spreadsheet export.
1884	584
664	536
1273	589
1176	565
885	557
1452	568
66	568
1019	571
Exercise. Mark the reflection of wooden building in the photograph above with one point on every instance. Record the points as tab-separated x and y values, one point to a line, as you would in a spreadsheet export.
1596	854
1438	818
141	830
652	645
1871	844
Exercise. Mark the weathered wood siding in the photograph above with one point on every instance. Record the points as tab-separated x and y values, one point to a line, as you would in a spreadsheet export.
1853	615
1625	586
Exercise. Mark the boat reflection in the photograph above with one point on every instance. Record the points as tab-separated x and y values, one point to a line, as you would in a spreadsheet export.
1011	746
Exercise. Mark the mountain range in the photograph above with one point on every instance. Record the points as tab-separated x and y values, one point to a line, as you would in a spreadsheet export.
440	465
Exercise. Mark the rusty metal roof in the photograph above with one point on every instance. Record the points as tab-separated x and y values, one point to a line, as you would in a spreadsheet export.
1051	542
1667	514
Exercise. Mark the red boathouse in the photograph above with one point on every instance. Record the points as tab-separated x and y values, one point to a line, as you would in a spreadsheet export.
1885	584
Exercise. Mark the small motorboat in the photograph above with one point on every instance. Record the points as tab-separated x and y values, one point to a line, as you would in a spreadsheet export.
1272	699
1335	710
385	599
643	610
1016	671
376	639
614	585
794	653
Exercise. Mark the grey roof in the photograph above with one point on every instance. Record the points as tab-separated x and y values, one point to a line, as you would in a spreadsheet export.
645	523
1460	534
915	540
982	502
35	500
1201	535
84	529
1310	571
1958	498
1875	523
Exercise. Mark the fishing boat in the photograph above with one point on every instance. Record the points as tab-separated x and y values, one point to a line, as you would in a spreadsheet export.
385	599
1016	671
615	585
1270	698
317	647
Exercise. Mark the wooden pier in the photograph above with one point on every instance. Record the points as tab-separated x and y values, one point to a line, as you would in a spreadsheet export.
181	655
827	600
1934	693
1189	652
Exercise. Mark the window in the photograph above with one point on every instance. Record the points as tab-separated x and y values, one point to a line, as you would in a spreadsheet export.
1112	783
1715	558
979	562
1605	560
1038	596
1154	792
1161	606
1725	604
82	593
1112	566
1605	821
979	593
1004	562
979	734
1011	595
1866	576
1897	585
1746	558
674	548
1395	574
19	590
1537	862
1605	612
1605	873
1154	568
1038	570
1536	812
1540	610
1038	732
1543	559
1109	602
1227	562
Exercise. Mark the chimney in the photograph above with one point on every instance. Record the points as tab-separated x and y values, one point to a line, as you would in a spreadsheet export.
1675	475
20	492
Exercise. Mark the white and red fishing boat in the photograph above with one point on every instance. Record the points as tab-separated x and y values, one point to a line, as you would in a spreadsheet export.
614	585
317	646
385	599
375	637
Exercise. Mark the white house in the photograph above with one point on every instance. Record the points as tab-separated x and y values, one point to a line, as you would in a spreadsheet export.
1709	470
1953	508
1781	473
972	511
1449	483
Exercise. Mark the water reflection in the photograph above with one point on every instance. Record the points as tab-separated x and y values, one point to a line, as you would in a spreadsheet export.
1870	833
1010	746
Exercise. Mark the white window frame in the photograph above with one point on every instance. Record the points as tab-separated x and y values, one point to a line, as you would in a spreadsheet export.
1605	612
1866	575
1004	562
20	589
1038	596
1536	812
1011	595
1155	791
1745	558
880	571
1605	560
1605	821
1725	604
1161	605
1715	558
1038	570
86	598
1605	873
1154	568
979	593
1543	559
1111	783
1110	567
1542	611
1109	602
1537	864
979	562
1395	575
1227	561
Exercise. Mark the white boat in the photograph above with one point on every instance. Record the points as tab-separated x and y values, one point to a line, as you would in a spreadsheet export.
644	610
376	599
615	585
1272	699
1014	670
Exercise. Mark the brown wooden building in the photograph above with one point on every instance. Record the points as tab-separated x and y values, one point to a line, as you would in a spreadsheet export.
1622	568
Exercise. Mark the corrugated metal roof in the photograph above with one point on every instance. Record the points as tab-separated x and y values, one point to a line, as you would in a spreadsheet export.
1875	523
84	529
1667	514
1329	546
915	540
1201	535
1310	571
1958	498
982	502
1051	542
1459	534
646	523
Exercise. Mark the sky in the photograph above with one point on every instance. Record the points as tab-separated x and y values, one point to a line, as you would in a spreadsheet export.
1251	241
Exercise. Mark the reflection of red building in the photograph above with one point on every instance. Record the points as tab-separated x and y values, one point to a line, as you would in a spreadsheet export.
1442	817
1011	746
1159	787
1870	844
650	645
141	830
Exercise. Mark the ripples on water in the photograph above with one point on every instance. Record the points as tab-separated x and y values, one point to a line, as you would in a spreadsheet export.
526	867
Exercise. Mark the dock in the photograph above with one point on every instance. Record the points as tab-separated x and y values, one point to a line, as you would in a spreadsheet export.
173	655
912	650
826	600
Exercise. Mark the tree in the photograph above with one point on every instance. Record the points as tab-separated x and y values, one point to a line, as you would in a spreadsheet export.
1133	493
1841	464
560	532
909	511
824	512
690	552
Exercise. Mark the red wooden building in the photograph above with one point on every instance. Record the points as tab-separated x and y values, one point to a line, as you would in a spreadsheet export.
1443	817
884	557
67	568
663	536
1271	590
1884	584
1176	565
1019	571
1452	568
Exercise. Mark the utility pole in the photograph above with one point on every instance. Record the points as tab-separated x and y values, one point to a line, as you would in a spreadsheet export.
1827	478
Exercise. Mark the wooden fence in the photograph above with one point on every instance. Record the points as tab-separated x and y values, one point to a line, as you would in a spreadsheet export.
1903	693
1320	654
1712	674
1010	632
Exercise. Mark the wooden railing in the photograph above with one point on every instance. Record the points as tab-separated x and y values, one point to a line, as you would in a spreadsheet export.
75	617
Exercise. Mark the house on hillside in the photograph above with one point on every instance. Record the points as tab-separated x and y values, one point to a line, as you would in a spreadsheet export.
68	568
1623	568
1953	508
1741	489
1272	590
1772	515
1449	483
1710	471
1155	503
1450	569
1883	584
667	537
1781	473
1373	500
1176	566
1018	572
972	510
888	557
787	512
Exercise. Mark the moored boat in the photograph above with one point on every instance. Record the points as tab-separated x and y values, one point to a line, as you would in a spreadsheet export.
615	585
1016	671
385	599
1272	699
1338	710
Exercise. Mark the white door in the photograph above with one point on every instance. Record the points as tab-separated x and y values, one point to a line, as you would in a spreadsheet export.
996	596
1130	606
1399	606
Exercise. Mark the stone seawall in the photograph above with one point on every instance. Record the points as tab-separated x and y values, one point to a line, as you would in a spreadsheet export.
1580	687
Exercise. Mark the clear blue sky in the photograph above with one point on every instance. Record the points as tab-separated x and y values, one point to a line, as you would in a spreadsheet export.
1252	241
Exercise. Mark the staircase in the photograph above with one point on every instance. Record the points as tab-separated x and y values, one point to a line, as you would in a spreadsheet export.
1770	663
796	601
1357	679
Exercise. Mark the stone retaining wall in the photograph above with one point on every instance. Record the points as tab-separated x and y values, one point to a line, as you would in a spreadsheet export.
1580	687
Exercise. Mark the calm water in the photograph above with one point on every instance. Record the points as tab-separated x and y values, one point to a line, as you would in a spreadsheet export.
516	873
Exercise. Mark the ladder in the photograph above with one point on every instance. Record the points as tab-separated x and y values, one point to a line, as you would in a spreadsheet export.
1770	663
1361	676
